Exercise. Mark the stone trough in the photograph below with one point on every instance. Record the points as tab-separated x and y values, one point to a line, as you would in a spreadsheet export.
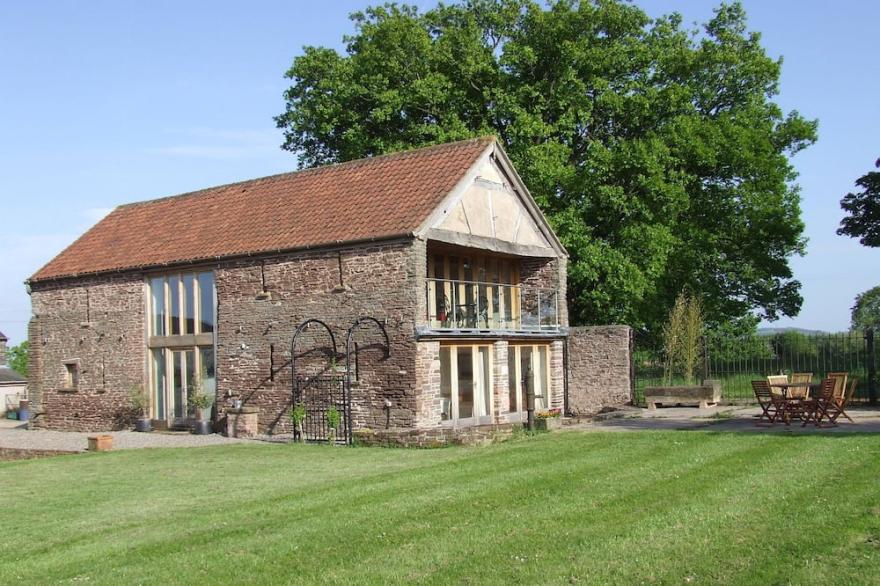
704	395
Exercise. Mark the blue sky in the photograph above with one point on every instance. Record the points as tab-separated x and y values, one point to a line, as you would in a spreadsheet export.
105	102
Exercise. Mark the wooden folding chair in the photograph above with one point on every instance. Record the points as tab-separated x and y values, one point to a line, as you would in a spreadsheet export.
775	379
772	405
837	406
816	409
800	392
839	382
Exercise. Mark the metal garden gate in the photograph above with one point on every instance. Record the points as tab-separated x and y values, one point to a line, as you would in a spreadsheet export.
331	389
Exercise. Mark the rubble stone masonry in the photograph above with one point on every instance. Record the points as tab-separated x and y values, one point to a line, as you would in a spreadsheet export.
96	325
599	372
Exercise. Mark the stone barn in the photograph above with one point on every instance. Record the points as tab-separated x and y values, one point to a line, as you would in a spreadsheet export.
201	293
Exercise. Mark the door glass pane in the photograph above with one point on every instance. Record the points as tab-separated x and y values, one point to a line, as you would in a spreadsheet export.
159	384
174	304
206	301
465	383
190	379
157	301
511	378
445	383
542	397
525	373
189	304
484	381
209	380
438	267
177	378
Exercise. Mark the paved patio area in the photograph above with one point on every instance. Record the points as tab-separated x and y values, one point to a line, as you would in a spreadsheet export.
725	418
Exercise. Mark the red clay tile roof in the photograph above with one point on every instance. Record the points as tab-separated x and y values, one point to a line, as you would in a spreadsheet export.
375	198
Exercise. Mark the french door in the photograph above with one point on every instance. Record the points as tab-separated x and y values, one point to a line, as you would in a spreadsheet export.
465	384
527	367
177	374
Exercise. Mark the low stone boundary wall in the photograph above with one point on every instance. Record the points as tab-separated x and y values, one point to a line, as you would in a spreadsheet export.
434	437
26	454
599	368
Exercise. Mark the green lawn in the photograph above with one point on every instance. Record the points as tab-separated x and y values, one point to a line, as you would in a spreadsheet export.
655	507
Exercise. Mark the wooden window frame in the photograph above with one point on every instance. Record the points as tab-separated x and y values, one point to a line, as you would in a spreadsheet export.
516	350
483	418
71	375
169	343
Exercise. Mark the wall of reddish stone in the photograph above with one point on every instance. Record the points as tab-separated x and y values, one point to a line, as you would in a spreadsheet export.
547	273
427	370
255	329
99	323
599	373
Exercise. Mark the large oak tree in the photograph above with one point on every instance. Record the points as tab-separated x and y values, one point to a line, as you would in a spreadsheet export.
656	151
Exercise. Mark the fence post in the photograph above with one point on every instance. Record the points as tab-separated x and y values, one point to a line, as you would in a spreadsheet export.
704	347
872	367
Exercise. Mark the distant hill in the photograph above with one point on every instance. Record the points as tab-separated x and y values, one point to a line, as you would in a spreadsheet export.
773	331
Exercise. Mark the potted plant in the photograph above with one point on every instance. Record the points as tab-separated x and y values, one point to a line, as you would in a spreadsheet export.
201	402
298	415
333	420
547	420
140	404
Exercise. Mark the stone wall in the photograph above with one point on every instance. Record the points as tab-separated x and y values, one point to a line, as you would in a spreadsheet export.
435	437
260	303
599	373
96	323
547	273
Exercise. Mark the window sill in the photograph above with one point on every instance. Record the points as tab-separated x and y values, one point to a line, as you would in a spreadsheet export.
68	390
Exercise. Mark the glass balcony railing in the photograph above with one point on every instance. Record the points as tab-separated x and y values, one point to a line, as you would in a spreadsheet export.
475	305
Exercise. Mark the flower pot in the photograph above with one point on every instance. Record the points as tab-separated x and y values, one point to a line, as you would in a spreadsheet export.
143	425
100	443
202	427
548	424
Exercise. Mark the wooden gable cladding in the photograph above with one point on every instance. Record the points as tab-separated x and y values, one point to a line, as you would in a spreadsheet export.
493	211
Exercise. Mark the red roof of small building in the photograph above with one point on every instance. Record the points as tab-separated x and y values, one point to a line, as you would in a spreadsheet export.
375	198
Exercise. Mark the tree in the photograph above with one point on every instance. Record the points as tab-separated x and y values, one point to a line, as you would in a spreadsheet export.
866	311
18	358
682	337
656	152
863	208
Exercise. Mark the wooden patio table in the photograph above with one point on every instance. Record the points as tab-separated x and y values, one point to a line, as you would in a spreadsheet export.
786	386
794	405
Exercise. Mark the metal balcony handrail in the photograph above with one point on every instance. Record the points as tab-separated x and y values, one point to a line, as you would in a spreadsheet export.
471	315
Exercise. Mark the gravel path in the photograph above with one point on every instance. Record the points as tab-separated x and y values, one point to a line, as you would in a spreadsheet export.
17	436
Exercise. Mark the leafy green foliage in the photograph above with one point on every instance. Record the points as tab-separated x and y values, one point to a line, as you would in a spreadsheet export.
17	357
791	344
334	418
656	152
682	336
140	400
866	311
863	208
298	414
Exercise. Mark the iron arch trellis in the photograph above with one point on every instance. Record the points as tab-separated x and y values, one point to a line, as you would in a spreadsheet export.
348	338
323	391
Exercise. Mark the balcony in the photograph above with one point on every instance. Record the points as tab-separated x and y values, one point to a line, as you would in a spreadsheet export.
455	305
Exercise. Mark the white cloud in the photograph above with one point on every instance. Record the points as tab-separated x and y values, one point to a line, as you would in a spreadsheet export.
211	143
